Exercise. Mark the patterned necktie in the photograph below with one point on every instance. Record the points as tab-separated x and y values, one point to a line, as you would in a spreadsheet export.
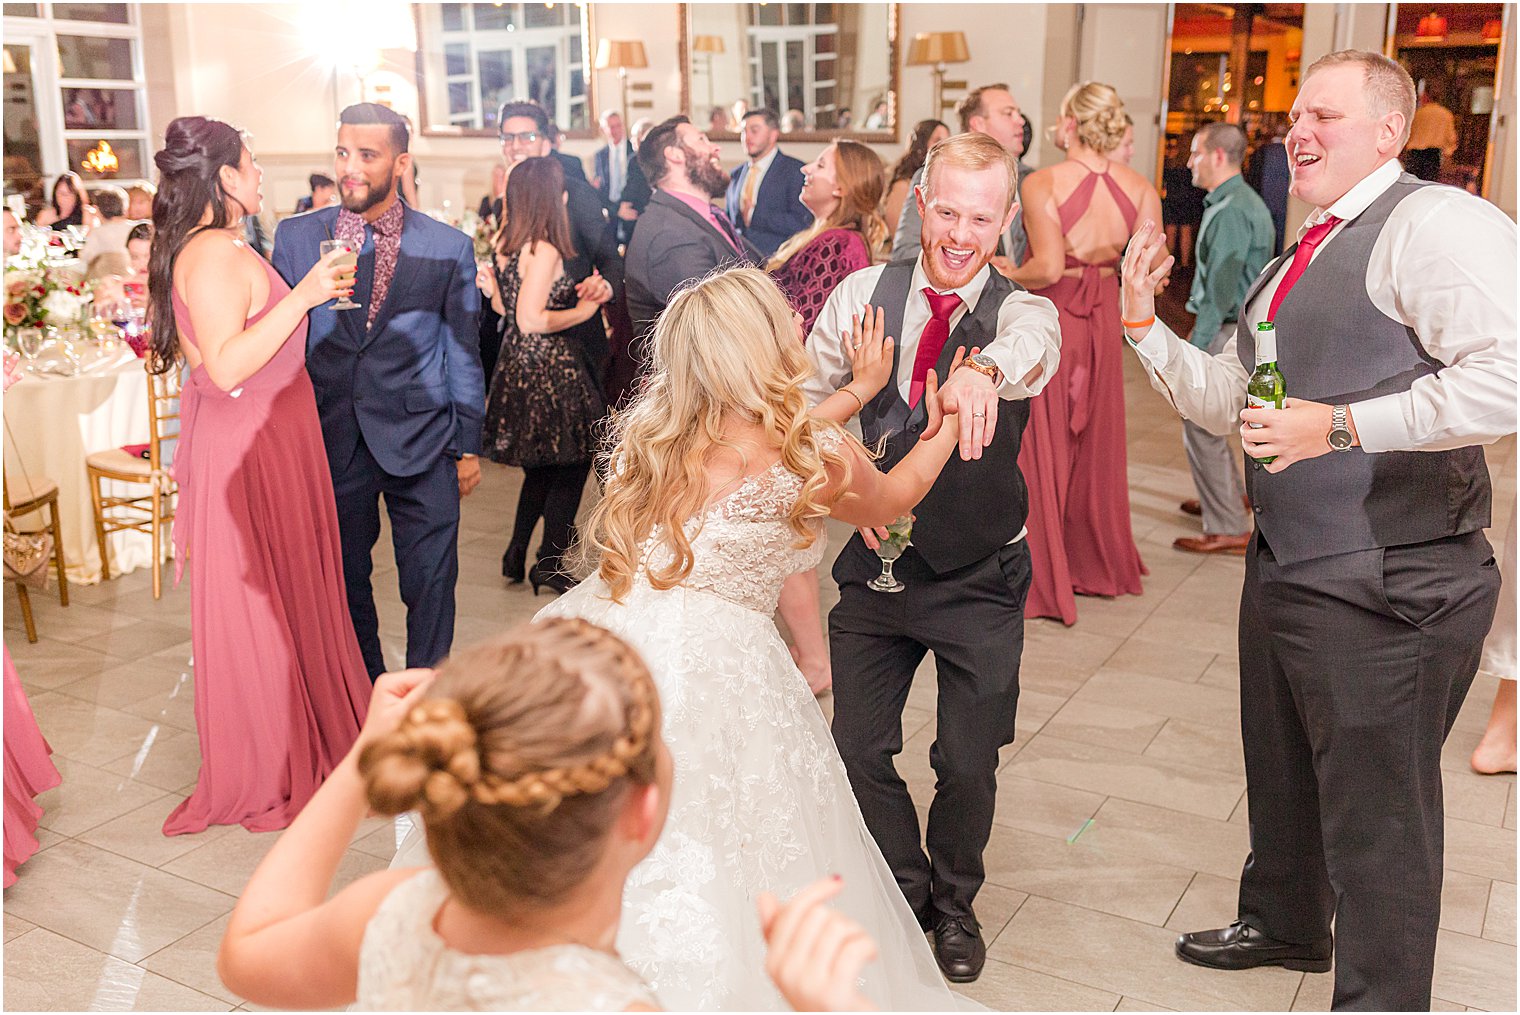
747	199
1301	258
932	342
727	228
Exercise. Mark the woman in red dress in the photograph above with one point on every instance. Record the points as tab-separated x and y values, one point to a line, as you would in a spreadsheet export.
1080	214
280	685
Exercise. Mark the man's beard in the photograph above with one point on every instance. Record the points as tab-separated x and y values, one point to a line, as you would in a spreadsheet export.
939	275
705	176
358	205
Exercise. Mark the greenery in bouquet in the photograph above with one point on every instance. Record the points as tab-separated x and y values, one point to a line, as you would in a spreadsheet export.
39	294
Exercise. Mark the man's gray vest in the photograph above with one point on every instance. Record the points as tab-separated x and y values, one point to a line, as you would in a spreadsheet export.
1335	346
974	507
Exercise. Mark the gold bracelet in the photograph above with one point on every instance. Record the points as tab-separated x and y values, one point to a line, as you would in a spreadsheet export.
857	398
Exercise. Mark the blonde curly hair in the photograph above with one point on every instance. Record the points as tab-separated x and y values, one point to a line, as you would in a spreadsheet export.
1099	115
725	349
519	757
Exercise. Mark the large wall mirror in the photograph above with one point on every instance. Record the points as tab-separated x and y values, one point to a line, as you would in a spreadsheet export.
826	69
473	57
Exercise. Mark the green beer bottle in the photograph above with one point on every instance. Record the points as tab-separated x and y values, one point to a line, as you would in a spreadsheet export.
1265	388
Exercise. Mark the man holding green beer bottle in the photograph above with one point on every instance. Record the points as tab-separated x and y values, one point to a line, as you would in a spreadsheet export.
1369	585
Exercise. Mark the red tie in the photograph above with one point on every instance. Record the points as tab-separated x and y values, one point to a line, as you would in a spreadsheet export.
1300	261
932	341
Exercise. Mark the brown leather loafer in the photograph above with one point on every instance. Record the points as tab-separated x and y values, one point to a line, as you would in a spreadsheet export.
1235	546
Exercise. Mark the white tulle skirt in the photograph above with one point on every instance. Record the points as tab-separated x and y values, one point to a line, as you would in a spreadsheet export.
761	803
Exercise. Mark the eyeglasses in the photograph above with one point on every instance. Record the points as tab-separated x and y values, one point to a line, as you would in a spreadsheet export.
526	137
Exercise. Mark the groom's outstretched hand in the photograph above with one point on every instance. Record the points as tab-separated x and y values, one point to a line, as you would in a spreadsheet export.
972	396
815	955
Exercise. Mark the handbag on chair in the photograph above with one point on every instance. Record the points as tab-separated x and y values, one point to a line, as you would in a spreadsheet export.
26	556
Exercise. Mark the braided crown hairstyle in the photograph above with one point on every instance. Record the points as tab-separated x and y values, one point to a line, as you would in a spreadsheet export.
519	758
189	180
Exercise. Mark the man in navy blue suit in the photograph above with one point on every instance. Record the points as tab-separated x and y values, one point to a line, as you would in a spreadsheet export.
765	193
399	386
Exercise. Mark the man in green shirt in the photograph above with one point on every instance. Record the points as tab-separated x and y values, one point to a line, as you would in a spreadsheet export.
1234	244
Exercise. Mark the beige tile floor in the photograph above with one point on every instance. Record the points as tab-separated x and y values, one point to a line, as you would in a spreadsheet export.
1121	811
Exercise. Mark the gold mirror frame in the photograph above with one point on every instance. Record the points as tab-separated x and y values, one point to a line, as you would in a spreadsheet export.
888	136
588	39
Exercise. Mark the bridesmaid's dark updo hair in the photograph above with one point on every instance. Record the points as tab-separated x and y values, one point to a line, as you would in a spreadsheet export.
189	169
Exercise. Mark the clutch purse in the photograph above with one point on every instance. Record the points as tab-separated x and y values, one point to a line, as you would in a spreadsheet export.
26	557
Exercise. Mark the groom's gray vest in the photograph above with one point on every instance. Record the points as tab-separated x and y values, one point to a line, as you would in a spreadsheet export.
975	507
1335	346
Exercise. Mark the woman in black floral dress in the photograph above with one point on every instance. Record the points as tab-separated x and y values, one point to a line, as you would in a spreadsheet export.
544	408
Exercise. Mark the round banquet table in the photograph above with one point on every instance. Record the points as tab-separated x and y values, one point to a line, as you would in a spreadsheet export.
52	423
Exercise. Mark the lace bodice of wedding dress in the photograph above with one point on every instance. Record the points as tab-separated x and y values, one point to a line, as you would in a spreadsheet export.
405	966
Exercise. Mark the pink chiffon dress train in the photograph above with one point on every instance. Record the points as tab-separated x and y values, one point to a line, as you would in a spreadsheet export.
280	686
1073	455
29	771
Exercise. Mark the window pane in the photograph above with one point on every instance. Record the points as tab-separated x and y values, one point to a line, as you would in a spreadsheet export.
128	155
115	14
544	15
456	58
495	70
459	98
107	108
542	79
495	17
23	146
798	14
453	17
766	14
21	10
88	57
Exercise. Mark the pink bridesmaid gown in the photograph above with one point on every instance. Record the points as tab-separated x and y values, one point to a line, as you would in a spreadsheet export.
28	771
280	686
1073	455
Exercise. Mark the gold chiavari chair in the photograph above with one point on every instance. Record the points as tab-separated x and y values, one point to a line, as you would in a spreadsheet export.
152	510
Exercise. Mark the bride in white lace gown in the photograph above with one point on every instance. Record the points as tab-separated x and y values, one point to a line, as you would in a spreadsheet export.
761	801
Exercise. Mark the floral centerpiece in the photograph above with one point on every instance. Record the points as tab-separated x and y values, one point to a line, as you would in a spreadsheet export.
39	294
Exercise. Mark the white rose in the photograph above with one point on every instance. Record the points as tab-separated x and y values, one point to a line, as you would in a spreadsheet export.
62	306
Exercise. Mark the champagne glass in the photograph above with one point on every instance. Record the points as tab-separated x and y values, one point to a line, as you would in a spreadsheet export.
30	341
351	260
899	533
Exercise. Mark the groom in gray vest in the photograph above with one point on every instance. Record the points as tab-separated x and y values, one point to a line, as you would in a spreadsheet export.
967	569
1369	585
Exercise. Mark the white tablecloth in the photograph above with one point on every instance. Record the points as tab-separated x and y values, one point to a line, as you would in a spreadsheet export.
52	424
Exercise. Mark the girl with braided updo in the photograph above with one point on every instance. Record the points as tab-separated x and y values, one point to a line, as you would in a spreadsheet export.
536	762
1080	213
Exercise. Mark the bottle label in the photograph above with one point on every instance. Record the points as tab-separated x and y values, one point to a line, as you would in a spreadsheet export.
1257	402
1266	347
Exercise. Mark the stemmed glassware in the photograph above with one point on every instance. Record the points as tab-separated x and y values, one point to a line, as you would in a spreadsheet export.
899	534
351	260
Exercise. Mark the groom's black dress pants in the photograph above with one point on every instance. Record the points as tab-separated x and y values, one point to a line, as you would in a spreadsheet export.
973	621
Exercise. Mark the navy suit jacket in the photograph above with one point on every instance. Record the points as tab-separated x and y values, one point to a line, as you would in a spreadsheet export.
602	165
779	212
571	165
411	386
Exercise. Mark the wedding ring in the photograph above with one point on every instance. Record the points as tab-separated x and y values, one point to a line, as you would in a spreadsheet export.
978	415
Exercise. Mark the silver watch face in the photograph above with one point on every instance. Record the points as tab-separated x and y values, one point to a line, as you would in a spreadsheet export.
1340	440
981	359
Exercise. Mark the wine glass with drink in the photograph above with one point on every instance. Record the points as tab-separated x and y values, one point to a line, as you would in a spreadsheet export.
899	534
350	259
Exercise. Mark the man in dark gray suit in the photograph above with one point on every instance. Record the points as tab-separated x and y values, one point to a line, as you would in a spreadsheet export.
681	235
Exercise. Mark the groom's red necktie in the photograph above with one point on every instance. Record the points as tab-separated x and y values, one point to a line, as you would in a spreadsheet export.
932	341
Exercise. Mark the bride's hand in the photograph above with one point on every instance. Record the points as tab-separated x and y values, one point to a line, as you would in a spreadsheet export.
394	694
815	955
819	672
870	350
933	404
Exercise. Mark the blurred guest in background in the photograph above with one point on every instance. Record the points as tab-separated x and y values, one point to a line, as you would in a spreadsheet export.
926	134
323	193
140	201
717	120
68	206
612	163
792	121
490	205
545	401
110	236
1432	136
842	188
12	233
1182	205
1073	455
763	192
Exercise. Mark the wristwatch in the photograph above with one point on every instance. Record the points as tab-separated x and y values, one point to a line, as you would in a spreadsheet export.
984	364
1339	436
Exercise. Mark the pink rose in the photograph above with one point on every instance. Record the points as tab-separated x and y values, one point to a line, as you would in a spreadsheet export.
15	313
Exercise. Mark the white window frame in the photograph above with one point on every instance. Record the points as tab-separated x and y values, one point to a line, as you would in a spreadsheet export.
812	83
566	39
41	33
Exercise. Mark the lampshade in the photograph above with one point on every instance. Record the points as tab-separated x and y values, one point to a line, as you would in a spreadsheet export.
938	47
707	44
1493	29
619	54
1431	26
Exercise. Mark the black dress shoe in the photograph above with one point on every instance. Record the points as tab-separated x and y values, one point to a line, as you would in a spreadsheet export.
959	948
557	581
1241	946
